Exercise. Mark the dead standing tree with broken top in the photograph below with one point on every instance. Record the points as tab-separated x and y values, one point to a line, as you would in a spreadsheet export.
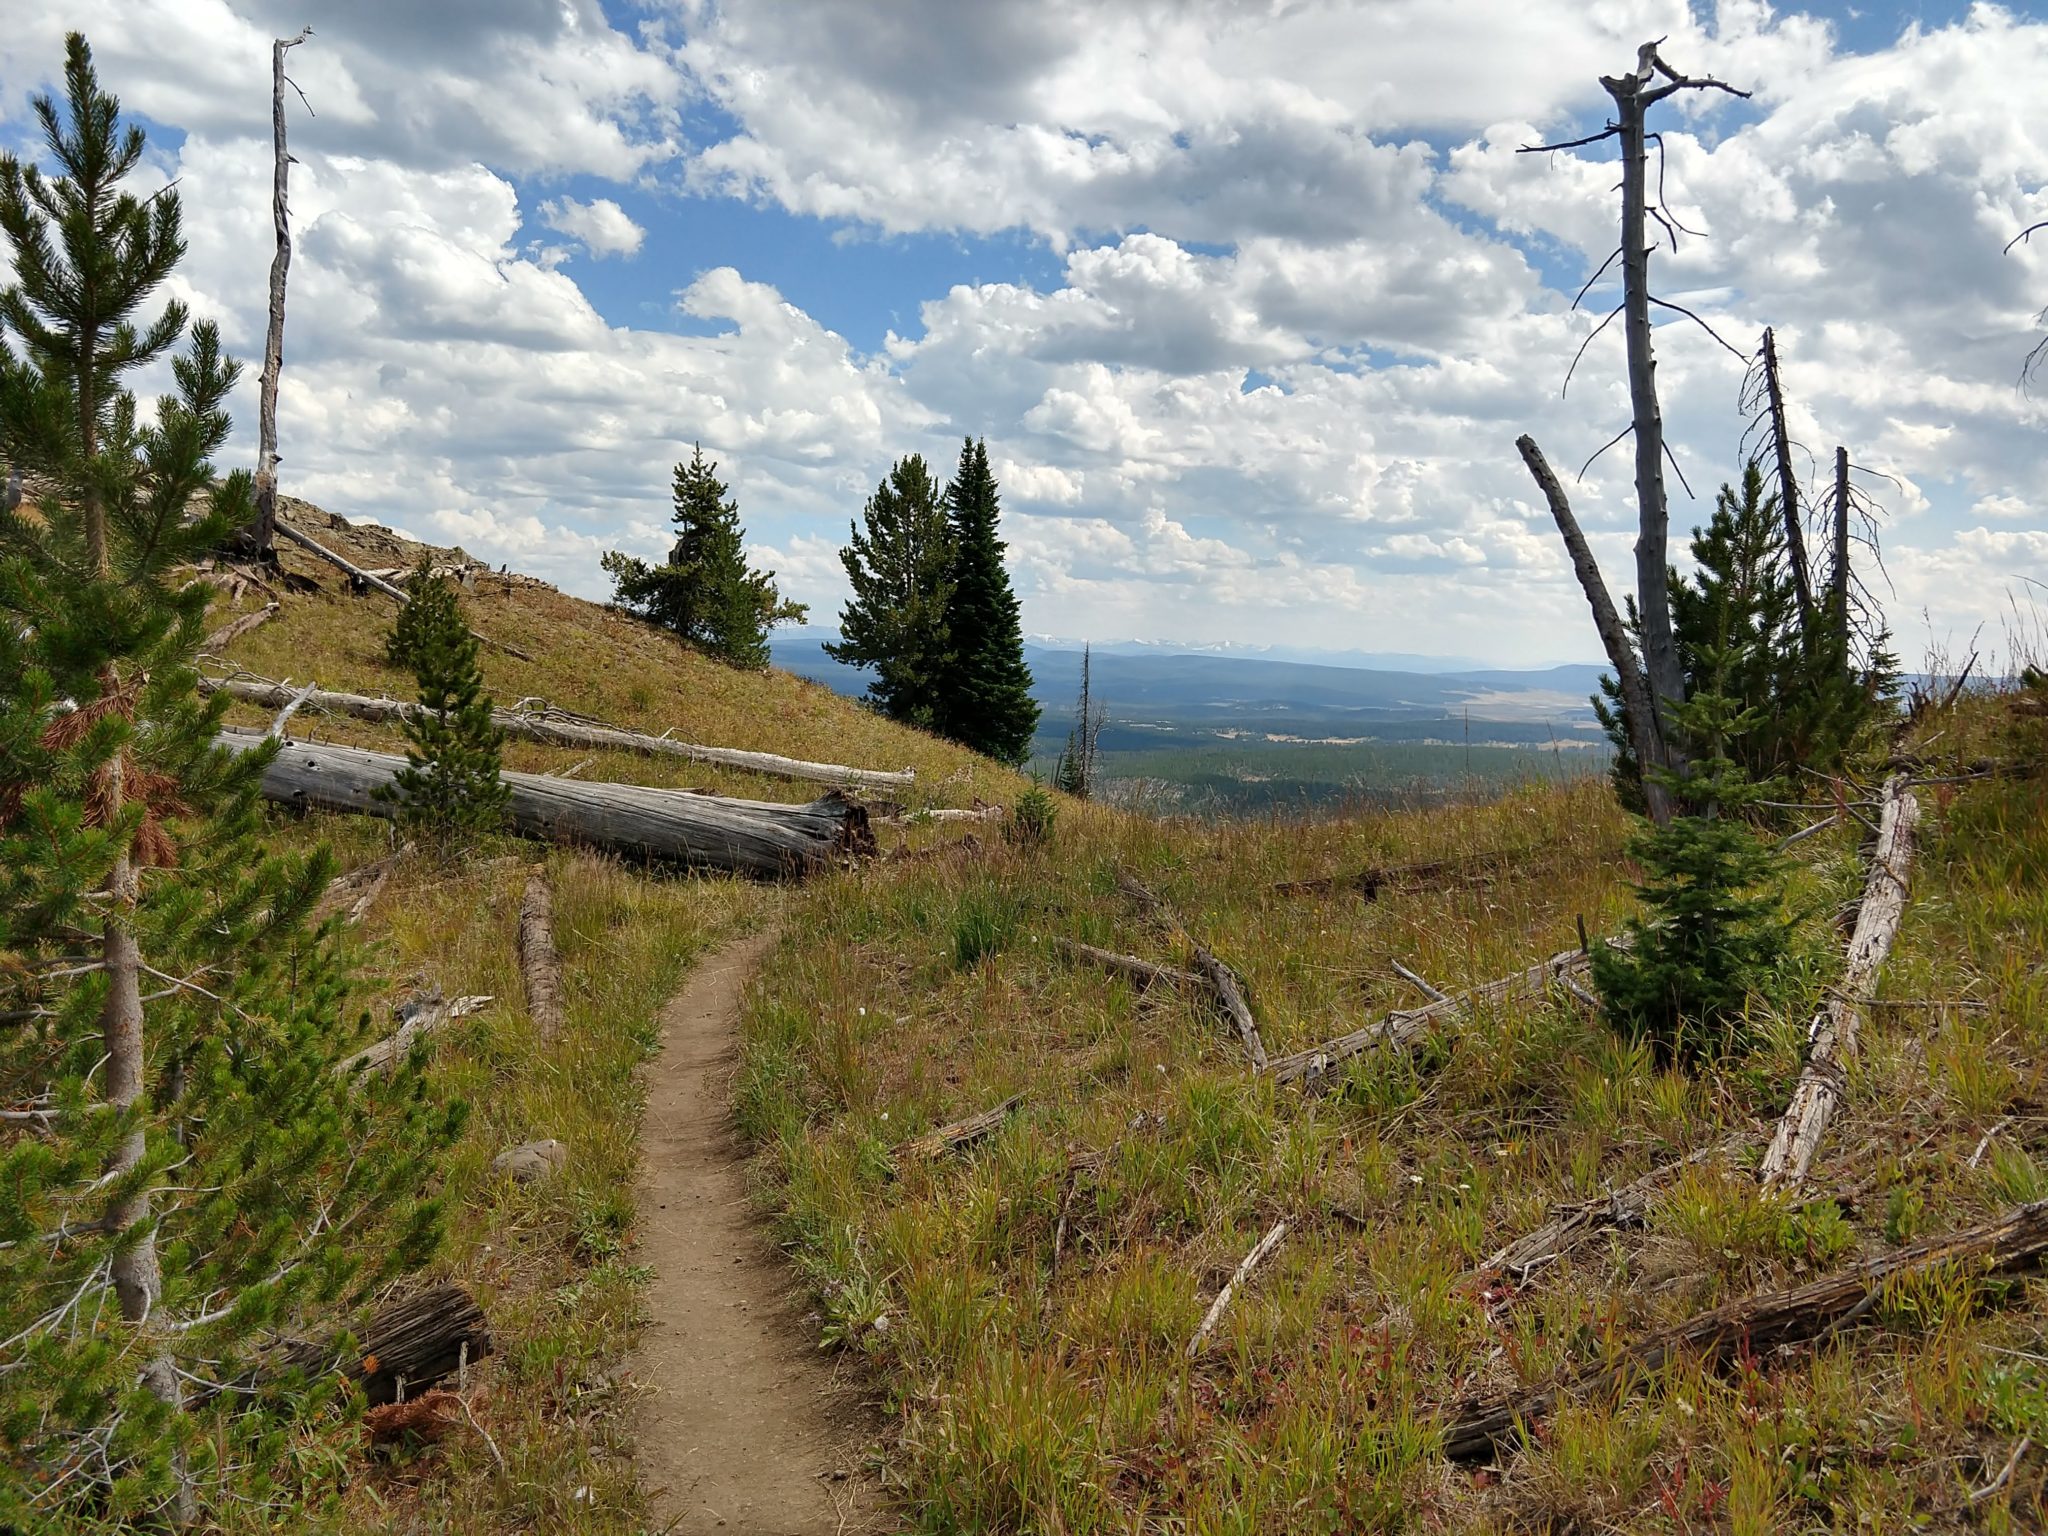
1648	691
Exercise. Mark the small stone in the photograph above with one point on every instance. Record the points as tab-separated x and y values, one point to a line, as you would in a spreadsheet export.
531	1162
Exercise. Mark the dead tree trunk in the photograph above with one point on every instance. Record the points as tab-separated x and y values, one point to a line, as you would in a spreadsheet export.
539	964
1788	489
234	629
356	573
260	536
2017	1240
750	837
1637	705
556	730
1832	1034
1838	576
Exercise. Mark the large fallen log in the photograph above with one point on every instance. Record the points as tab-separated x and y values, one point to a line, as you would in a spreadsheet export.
2014	1241
552	727
355	572
1832	1034
234	629
750	837
1405	1026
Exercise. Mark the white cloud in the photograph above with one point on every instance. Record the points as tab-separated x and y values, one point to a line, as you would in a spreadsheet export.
604	228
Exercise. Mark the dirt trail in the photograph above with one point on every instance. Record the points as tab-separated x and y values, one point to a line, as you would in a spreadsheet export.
741	1426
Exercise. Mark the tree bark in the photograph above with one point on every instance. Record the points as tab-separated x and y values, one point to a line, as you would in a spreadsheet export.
1645	724
539	964
2016	1240
1832	1034
532	726
1788	489
750	837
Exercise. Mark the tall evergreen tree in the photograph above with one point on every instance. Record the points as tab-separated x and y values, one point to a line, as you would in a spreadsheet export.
984	696
706	593
450	789
900	569
179	1168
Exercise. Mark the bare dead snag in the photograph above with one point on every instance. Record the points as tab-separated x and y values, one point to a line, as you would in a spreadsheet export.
1143	972
1275	1235
1832	1034
557	728
961	1133
236	628
1788	488
2017	1240
1638	707
1838	576
261	535
539	964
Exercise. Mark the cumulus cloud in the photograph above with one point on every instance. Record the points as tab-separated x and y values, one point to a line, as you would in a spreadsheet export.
603	227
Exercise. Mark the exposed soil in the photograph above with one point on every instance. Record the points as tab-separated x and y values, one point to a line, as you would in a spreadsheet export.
742	1426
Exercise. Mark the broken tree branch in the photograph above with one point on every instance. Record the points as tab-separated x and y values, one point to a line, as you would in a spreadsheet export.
234	629
1265	1245
1143	972
415	1020
1223	981
961	1133
1832	1034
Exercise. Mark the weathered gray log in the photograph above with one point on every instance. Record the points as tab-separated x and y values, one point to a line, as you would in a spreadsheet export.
410	1343
305	541
234	629
751	837
415	1019
539	964
1403	1027
1638	705
1832	1034
1623	1207
1143	972
2017	1240
961	1133
544	726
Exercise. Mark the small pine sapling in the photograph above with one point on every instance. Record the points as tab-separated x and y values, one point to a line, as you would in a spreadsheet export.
451	790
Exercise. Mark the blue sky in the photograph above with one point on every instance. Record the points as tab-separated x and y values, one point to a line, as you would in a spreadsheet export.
1250	303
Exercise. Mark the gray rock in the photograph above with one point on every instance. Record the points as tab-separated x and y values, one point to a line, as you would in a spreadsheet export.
531	1162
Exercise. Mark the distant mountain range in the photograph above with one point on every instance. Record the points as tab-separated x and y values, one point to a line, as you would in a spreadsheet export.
1218	689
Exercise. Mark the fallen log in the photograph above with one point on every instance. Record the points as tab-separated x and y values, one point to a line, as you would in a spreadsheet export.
404	1347
1223	981
1265	1245
355	572
1405	1026
234	629
539	964
751	837
1775	1319
1627	1206
415	1019
356	890
1832	1034
1143	972
961	1133
556	729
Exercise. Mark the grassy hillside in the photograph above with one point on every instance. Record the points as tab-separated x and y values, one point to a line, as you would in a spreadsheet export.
1024	1306
1027	1303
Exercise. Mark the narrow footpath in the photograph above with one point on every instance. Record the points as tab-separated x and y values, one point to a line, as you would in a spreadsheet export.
742	1427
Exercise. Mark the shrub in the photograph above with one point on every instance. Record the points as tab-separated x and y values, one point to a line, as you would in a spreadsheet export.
1032	818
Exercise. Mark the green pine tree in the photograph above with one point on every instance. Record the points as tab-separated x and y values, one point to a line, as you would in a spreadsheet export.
900	569
181	1172
450	789
984	696
706	594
